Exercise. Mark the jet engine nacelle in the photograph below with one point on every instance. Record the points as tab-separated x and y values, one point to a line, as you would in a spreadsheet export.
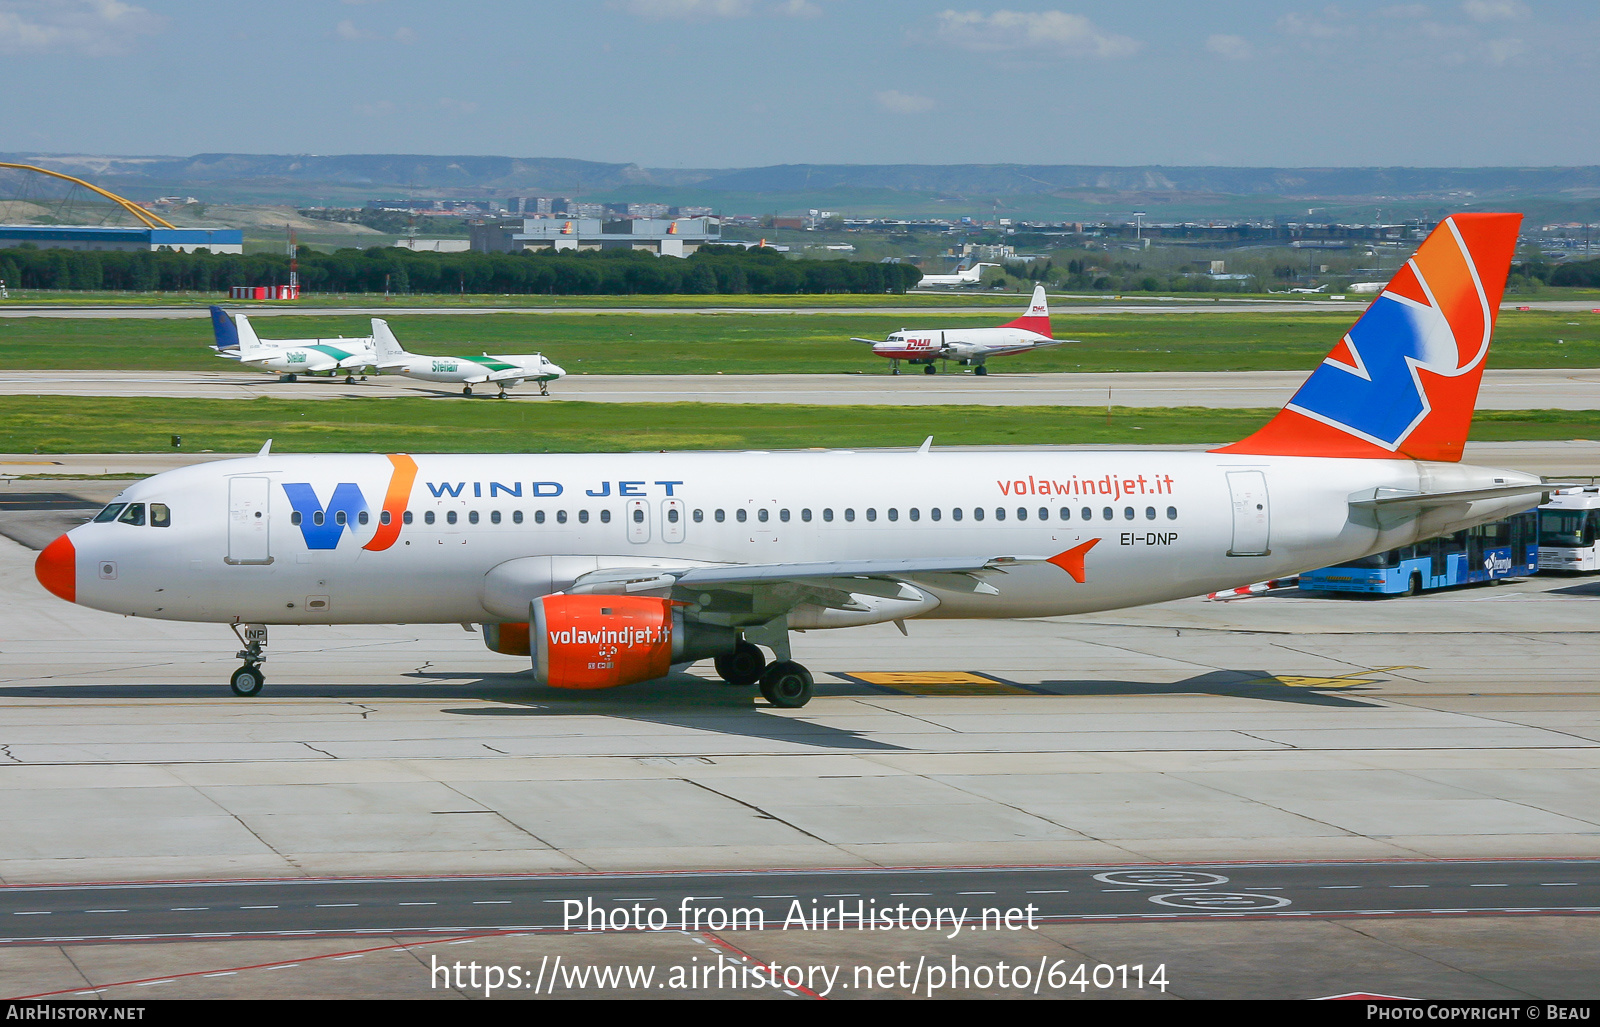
602	641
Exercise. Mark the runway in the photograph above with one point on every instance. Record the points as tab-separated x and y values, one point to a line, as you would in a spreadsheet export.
1555	388
1337	754
1065	306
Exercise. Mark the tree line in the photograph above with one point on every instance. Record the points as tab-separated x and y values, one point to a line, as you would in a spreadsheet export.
713	269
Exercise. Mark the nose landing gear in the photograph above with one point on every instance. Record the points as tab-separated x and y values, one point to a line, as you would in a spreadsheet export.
247	680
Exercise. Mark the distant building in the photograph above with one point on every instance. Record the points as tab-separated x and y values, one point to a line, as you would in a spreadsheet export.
662	237
435	245
61	237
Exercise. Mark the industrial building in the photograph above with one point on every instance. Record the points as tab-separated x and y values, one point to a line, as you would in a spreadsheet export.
675	238
137	240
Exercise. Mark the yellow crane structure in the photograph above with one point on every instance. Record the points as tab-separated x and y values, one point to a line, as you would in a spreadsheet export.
148	219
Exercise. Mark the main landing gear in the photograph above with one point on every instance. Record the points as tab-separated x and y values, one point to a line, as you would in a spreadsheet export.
980	370
247	680
466	390
288	377
785	684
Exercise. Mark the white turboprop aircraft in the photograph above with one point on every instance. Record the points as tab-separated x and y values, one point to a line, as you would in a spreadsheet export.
288	358
966	276
973	346
605	570
506	372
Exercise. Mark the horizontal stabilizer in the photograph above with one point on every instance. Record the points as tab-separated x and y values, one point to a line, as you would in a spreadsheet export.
1399	499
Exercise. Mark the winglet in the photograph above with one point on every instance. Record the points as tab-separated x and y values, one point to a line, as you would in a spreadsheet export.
1402	383
1037	319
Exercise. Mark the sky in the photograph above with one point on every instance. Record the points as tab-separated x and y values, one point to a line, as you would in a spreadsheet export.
740	83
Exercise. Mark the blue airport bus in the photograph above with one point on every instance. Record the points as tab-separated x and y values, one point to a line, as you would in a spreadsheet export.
1490	552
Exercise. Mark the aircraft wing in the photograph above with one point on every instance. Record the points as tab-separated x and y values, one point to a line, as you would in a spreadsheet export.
869	342
775	587
515	374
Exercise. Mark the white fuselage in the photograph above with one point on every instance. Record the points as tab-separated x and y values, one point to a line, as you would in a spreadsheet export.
960	344
511	369
310	356
1168	524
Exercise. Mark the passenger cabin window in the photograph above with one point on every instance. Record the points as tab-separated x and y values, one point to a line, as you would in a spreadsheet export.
955	515
849	513
699	516
561	517
450	517
761	515
361	518
1066	513
672	516
1172	513
827	514
1088	514
1127	513
605	517
977	513
427	518
999	513
384	517
339	517
1107	513
294	518
109	513
894	514
472	517
805	514
1044	513
516	517
494	516
740	516
872	513
583	517
318	517
538	517
934	513
1149	513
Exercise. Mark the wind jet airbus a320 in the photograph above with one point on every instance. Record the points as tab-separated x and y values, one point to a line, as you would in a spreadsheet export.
606	570
288	358
972	346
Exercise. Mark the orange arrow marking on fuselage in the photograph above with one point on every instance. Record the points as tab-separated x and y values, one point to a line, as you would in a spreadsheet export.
394	504
1072	560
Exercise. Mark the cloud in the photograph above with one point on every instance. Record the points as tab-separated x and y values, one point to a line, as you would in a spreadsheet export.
1052	33
454	106
89	27
1234	48
1503	51
1495	10
663	10
347	29
896	102
797	9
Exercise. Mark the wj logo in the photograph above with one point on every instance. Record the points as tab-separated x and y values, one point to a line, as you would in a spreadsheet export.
1434	318
323	526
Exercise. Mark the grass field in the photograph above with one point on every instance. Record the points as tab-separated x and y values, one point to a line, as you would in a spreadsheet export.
53	424
683	343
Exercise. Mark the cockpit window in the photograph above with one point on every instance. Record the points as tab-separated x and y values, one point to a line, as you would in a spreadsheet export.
109	513
134	514
160	516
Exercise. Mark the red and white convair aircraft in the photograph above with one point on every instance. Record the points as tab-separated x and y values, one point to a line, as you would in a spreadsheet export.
608	570
973	346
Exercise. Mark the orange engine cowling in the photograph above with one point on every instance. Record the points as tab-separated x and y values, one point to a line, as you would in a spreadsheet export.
510	639
601	641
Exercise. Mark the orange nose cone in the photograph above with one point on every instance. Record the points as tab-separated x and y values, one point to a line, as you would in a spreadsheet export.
57	569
